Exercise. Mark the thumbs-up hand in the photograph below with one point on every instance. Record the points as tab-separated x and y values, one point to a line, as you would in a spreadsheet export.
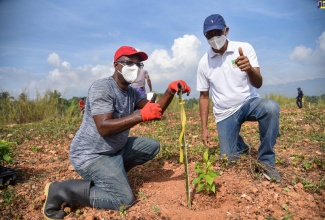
242	61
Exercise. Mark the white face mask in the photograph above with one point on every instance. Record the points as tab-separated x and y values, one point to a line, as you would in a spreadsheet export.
129	73
217	42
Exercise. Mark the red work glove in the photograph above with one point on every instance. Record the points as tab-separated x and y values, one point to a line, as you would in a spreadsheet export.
175	87
151	111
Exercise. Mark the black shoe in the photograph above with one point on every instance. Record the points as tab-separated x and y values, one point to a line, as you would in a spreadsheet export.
271	173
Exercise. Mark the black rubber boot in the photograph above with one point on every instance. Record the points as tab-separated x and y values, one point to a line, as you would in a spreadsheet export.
73	192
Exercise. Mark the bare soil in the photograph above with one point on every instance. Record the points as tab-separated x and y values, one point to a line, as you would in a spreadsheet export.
159	185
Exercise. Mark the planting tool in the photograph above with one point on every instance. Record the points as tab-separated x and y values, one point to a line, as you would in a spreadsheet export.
151	96
182	145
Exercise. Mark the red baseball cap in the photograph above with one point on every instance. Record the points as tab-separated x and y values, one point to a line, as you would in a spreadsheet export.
127	50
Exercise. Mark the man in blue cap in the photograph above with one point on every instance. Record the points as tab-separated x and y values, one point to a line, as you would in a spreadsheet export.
230	70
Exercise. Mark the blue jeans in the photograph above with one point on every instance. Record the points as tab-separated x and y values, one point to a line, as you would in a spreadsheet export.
111	189
266	112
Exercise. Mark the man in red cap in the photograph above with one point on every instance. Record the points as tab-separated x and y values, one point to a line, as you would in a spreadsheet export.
101	151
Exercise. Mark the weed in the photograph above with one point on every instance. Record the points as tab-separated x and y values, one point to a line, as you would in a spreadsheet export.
142	195
122	211
224	160
285	207
7	196
306	165
36	149
287	216
313	187
155	209
6	152
286	189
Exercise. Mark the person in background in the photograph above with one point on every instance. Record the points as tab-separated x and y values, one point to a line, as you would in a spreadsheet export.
82	106
230	70
102	151
139	83
299	97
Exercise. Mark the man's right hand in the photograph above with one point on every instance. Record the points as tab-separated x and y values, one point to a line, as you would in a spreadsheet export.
151	111
174	87
206	137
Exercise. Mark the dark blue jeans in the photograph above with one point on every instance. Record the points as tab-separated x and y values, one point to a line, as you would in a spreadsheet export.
266	112
111	188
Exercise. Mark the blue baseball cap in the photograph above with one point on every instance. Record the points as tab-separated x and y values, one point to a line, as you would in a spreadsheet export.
213	22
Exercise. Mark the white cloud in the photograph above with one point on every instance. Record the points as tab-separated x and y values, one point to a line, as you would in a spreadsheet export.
181	64
321	41
73	81
301	54
54	59
68	80
164	66
66	64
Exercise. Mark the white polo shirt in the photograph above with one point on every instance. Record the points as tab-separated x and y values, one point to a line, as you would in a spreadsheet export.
230	87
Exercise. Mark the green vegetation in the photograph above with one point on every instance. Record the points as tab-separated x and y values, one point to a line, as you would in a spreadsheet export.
51	106
206	174
43	107
308	101
6	152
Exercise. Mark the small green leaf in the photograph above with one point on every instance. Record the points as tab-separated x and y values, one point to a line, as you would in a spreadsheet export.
213	174
7	158
200	187
286	189
209	179
285	206
196	180
206	156
198	170
213	188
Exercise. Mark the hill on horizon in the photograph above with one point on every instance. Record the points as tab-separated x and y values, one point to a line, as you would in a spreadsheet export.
310	87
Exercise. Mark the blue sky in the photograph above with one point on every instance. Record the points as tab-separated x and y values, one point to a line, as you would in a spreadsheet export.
67	45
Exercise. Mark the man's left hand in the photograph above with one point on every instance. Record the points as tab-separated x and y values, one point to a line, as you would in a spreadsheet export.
242	61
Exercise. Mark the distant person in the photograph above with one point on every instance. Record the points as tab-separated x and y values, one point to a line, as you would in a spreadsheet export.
299	97
230	70
82	106
140	85
102	152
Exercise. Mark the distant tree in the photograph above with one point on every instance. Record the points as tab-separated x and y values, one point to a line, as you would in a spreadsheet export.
23	97
312	99
191	103
5	96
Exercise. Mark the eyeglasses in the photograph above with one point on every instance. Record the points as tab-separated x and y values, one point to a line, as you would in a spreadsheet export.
213	33
131	63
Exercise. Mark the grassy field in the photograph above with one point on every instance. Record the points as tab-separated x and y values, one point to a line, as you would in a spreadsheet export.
39	152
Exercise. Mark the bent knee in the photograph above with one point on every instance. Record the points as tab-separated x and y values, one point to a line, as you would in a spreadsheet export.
155	147
127	201
271	107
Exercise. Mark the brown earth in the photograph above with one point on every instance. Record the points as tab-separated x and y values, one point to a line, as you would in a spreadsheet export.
159	185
